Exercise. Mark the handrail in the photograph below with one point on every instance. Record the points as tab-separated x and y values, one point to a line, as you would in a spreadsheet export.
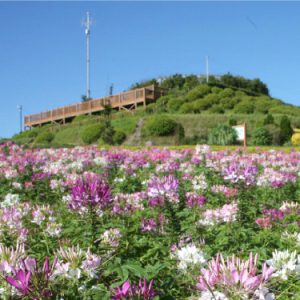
72	110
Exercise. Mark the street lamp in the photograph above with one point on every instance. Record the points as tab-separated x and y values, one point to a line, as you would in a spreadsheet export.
20	108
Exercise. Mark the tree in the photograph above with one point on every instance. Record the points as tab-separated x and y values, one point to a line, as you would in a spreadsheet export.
261	137
286	129
85	98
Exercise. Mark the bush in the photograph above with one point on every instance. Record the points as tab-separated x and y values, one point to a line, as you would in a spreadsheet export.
286	129
275	132
44	138
227	93
92	133
187	108
217	109
263	104
222	135
119	137
175	104
201	104
160	126
151	108
269	119
26	136
244	107
199	92
108	134
261	137
232	122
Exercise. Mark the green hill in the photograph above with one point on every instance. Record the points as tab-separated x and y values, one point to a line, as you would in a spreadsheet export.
195	105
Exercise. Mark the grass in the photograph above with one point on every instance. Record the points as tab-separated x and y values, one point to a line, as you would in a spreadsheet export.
194	125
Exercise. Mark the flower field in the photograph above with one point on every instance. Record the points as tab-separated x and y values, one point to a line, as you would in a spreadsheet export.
89	223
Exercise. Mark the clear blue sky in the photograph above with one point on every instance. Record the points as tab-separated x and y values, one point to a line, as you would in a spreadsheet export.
42	48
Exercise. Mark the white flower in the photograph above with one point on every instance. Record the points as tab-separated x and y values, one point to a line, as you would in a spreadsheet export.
262	293
285	263
189	256
202	149
199	183
100	161
207	295
10	200
292	236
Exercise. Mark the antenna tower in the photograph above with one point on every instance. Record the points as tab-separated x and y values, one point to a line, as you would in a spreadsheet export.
87	24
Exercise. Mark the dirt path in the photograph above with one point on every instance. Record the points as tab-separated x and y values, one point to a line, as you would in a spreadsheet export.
135	138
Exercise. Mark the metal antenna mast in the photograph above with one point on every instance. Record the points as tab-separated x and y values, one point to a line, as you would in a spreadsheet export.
87	23
20	108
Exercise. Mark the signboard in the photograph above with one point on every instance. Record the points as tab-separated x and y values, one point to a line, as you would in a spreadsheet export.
241	133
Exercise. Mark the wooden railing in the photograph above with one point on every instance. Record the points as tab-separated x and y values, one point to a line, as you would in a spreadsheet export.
132	97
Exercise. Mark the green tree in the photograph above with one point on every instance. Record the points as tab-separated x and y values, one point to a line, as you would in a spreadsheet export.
286	129
261	137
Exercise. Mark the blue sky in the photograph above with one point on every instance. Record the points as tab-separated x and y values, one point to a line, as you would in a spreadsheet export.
42	48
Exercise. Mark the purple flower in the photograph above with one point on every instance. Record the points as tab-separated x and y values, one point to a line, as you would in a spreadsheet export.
21	281
148	225
193	199
89	191
142	291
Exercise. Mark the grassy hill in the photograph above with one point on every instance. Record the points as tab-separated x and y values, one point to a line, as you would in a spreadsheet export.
197	106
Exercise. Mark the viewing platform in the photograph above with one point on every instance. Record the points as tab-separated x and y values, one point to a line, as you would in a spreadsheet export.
128	100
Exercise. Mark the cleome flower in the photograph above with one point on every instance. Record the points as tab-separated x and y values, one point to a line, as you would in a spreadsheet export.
233	277
142	290
189	256
285	263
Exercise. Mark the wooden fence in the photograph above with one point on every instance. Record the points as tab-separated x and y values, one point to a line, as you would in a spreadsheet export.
126	100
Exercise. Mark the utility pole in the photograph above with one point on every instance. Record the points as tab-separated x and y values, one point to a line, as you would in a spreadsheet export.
206	63
87	23
20	108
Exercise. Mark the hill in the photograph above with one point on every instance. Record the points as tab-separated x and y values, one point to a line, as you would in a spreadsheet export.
195	105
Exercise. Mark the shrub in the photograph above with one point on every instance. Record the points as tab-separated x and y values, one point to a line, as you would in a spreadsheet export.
119	137
199	92
151	108
175	104
275	132
108	134
201	104
44	138
222	135
261	137
160	126
286	129
187	108
244	107
92	133
263	104
227	93
217	109
26	136
229	103
269	119
232	122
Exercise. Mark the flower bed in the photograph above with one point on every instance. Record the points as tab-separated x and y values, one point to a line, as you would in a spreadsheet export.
88	223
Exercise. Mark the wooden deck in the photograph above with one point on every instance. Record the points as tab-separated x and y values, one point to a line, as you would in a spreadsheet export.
127	100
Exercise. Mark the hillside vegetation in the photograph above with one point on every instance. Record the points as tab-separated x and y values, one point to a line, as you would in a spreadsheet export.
187	113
